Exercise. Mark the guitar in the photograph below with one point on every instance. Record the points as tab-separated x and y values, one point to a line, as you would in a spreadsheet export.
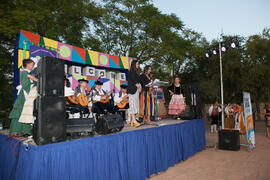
83	100
123	103
72	100
104	100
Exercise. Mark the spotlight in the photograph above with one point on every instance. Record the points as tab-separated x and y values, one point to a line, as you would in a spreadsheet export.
233	45
223	49
207	55
214	52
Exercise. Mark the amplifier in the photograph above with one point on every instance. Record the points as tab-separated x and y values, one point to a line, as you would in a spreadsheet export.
81	125
229	140
188	113
109	123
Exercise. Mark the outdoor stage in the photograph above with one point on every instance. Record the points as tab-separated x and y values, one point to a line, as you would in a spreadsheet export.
130	154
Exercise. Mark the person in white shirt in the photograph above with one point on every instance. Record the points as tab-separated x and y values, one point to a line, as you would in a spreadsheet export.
68	91
121	100
100	100
214	111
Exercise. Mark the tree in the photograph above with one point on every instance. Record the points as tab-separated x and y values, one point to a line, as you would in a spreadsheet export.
136	28
257	67
65	21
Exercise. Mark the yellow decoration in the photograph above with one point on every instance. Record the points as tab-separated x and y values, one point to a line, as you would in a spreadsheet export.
94	57
20	57
50	43
117	83
79	77
125	62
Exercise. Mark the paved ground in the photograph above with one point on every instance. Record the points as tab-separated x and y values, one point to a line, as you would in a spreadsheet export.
218	164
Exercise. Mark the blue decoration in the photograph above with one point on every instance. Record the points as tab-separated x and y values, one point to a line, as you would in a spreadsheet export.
76	57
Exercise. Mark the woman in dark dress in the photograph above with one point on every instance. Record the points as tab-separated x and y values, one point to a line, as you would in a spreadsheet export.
177	103
133	90
146	102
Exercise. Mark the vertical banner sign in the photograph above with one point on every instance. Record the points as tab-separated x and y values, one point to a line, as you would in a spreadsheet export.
249	120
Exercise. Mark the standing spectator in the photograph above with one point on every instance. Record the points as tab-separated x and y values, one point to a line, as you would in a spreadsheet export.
213	113
254	110
266	112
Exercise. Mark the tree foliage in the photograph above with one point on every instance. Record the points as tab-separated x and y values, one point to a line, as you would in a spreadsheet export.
137	28
65	21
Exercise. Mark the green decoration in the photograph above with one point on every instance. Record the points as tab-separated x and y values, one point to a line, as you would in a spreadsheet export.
88	59
121	63
41	41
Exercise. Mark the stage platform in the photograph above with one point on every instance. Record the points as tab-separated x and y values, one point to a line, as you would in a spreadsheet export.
134	153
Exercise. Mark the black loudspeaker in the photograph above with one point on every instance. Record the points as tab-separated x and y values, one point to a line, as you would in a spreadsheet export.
50	123
195	100
188	114
81	125
51	76
229	140
109	123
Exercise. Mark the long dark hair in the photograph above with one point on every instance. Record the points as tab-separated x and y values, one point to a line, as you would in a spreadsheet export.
133	66
146	69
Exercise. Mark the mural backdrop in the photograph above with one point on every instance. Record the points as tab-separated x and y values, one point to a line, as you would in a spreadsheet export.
31	45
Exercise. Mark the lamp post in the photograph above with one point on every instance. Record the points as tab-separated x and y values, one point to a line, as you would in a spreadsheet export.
221	86
214	52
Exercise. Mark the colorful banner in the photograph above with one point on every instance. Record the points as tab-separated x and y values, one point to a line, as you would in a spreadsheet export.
40	51
71	53
31	45
249	120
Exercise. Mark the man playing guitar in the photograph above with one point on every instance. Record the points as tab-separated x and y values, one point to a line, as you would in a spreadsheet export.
101	100
83	95
121	100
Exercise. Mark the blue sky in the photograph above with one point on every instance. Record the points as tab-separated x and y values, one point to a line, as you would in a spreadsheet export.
234	17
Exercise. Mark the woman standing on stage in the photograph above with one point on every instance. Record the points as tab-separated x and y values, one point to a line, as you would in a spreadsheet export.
177	103
146	95
17	128
133	90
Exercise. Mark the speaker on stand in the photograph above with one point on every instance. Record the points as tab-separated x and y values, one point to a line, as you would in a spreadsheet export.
194	110
195	100
49	106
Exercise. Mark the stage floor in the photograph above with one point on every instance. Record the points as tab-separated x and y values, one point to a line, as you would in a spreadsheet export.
134	153
162	122
126	128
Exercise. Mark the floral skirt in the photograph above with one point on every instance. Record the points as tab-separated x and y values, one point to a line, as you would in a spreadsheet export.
177	104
